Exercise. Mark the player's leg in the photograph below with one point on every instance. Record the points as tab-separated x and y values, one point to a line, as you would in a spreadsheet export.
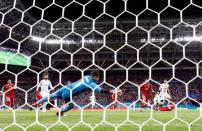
56	103
166	105
57	94
168	98
44	107
155	106
92	104
169	104
8	101
148	98
12	101
115	105
164	108
46	98
44	94
68	106
66	97
143	102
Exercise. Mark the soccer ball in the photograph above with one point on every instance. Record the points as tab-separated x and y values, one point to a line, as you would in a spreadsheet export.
159	100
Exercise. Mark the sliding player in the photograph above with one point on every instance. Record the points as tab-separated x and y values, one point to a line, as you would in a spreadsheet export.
77	87
163	96
158	101
146	91
9	89
44	86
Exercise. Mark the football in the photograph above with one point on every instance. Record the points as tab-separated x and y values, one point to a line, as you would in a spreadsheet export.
159	100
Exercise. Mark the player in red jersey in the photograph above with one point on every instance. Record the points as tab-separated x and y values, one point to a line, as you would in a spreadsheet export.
115	96
9	93
146	91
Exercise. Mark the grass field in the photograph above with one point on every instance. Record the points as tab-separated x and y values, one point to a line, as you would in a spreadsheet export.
118	118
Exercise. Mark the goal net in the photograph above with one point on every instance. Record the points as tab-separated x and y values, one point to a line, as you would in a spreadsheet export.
133	44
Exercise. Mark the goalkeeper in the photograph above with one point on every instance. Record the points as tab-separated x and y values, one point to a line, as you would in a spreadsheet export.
77	87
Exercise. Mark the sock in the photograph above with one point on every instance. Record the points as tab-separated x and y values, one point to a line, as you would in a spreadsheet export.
142	105
68	107
165	109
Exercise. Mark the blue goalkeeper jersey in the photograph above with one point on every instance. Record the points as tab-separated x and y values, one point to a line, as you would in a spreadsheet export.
80	86
77	87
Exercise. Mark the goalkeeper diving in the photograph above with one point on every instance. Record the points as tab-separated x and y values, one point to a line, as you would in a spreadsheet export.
88	81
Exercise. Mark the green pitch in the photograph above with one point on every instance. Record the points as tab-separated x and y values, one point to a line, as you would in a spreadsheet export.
26	119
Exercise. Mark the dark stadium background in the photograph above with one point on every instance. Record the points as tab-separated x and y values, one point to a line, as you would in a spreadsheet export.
149	54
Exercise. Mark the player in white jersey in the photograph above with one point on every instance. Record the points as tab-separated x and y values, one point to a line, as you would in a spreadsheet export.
162	99
44	87
164	90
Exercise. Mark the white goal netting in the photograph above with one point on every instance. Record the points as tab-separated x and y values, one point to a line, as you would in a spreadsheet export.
126	41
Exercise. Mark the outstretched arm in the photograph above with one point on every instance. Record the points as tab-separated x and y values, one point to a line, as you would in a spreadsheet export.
50	85
2	90
98	89
13	87
168	91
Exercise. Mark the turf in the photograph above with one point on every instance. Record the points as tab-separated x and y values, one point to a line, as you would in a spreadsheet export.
93	118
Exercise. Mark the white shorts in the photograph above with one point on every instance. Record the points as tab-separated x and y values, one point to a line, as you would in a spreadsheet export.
43	93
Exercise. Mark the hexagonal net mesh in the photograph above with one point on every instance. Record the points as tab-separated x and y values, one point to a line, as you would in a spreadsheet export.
148	54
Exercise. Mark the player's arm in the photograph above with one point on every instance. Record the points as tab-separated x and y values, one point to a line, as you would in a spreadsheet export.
152	88
160	88
152	93
98	89
168	90
2	90
39	86
14	87
50	85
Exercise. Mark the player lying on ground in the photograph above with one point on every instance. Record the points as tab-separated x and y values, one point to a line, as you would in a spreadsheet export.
146	91
77	87
9	89
159	103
